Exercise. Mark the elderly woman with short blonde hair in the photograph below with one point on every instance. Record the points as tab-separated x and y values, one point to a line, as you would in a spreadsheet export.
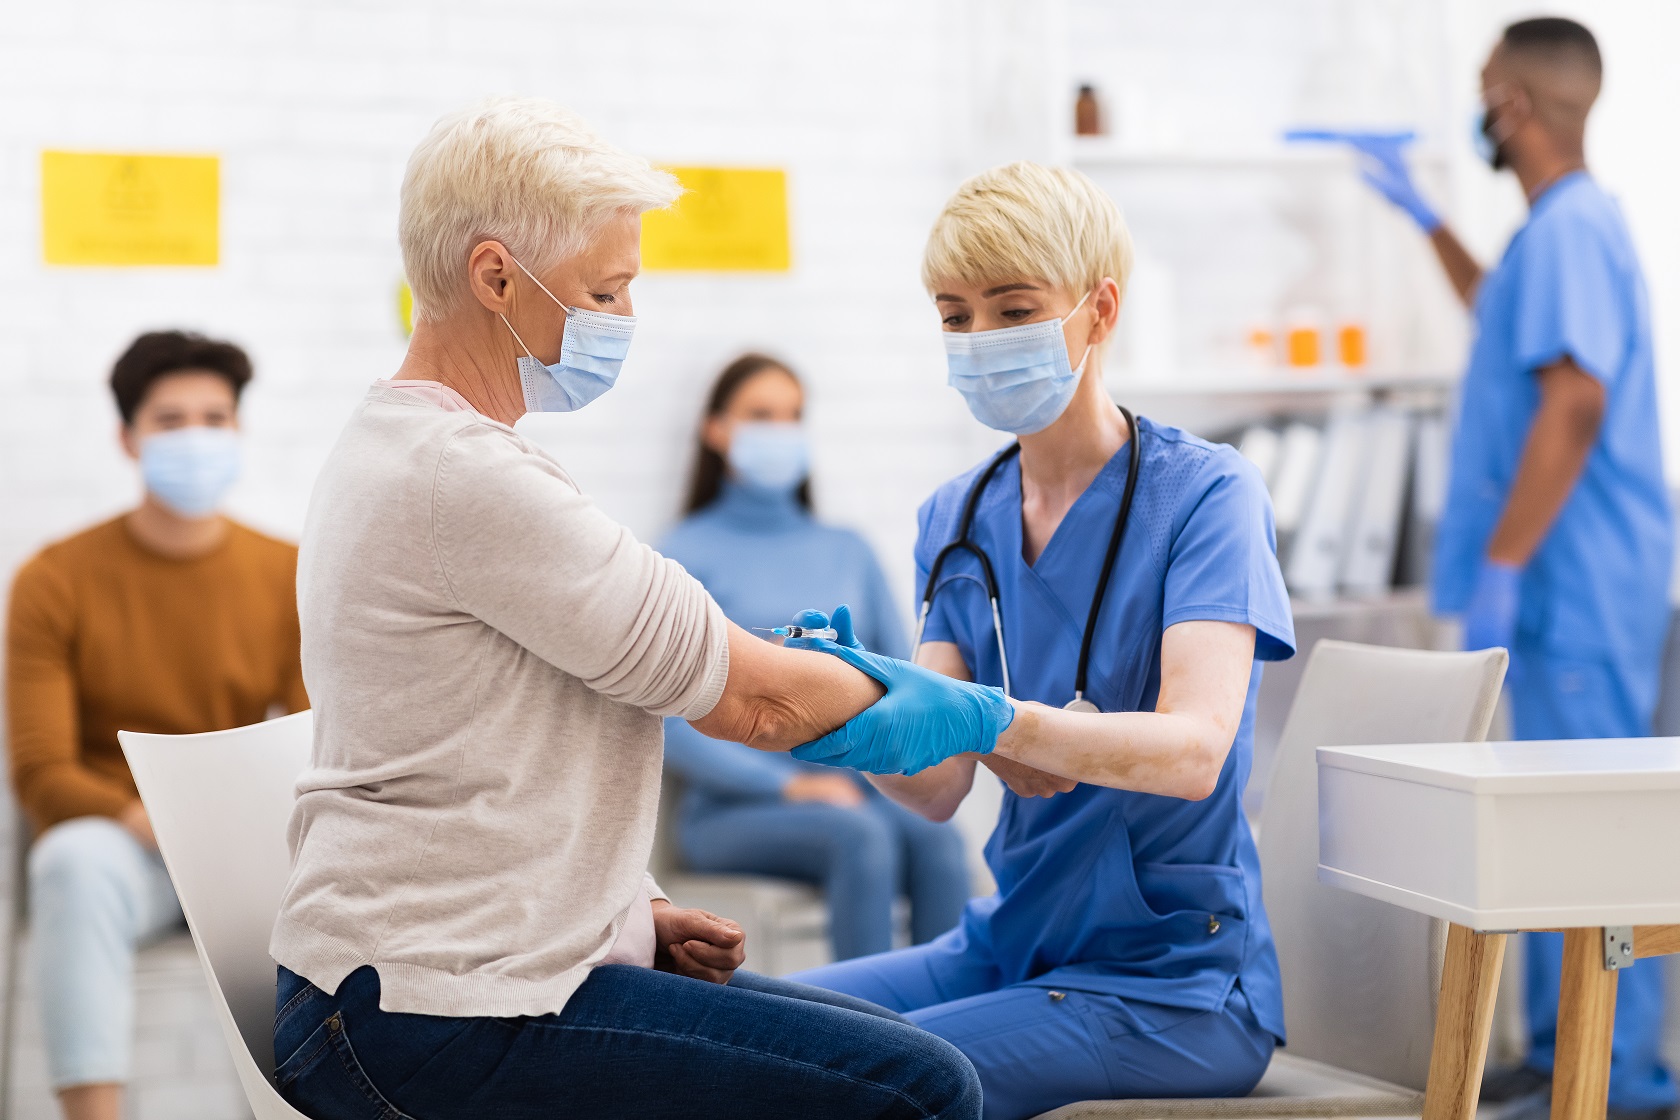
469	930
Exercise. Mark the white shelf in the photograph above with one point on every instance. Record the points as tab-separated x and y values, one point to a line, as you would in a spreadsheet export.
1408	601
1101	153
1283	383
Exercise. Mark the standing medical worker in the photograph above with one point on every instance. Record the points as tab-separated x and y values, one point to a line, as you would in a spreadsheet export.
1117	566
1557	537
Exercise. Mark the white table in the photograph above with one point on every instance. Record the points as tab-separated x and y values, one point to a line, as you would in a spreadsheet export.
1498	838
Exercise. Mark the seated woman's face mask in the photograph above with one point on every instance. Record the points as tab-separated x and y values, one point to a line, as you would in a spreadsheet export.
1015	379
591	352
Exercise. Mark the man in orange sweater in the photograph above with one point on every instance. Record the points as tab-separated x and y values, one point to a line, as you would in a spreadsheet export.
169	618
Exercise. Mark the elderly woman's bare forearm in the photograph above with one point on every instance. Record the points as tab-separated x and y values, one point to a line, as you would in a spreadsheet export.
776	699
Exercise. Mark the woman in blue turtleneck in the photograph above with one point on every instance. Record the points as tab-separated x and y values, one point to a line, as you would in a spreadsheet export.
750	538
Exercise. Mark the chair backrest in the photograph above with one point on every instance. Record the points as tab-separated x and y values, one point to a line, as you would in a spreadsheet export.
1361	977
219	804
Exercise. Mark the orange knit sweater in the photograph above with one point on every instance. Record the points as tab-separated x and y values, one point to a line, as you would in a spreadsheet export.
104	635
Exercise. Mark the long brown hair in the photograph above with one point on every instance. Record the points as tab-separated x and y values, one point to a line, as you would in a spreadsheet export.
705	481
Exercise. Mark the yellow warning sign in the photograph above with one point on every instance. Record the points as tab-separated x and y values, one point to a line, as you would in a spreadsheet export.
108	208
731	219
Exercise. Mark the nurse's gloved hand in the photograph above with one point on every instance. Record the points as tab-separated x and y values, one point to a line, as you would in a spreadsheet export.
924	718
817	620
1490	618
1386	171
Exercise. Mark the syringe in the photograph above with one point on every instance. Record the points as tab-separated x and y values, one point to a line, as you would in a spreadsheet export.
801	632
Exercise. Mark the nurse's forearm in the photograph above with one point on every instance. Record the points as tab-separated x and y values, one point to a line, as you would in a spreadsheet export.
1461	268
1179	749
776	699
1147	752
1559	441
936	792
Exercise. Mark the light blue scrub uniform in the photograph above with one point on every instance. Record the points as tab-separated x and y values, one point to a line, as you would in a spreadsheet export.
1127	952
1593	606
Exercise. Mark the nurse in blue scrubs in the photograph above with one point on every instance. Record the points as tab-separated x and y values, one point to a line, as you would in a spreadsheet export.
1118	576
1557	538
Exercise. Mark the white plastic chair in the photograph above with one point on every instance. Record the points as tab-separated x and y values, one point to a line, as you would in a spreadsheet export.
1360	978
219	804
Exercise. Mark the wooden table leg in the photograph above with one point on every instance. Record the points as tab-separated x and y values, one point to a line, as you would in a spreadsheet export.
1463	1019
1586	1020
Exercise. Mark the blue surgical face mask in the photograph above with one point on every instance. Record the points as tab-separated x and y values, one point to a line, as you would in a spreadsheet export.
591	352
770	456
190	469
1015	379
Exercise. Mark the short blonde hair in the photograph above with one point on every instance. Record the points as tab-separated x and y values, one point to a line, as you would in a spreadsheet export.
1026	221
519	170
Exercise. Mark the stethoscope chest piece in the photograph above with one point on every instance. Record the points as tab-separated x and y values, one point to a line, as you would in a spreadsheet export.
1081	705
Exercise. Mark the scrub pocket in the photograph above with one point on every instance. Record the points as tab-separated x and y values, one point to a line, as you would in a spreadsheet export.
322	1078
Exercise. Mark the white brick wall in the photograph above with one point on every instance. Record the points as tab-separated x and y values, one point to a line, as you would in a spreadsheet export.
314	107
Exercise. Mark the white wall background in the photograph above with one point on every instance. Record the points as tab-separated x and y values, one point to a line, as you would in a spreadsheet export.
314	106
875	108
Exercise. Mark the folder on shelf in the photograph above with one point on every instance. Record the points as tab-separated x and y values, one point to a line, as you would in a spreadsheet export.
1431	449
1367	567
1292	481
1261	446
1315	559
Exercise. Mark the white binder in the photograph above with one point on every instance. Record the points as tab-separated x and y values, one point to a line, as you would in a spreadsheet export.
1315	560
1368	554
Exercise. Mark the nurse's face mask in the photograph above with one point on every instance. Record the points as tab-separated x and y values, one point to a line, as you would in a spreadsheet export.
591	352
1488	132
1015	379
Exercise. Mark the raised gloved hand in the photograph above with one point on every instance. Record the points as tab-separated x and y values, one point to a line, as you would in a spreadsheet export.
924	718
1384	167
1490	618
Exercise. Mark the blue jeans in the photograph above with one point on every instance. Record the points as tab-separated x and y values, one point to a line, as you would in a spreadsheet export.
630	1042
1568	698
862	858
1037	1048
95	893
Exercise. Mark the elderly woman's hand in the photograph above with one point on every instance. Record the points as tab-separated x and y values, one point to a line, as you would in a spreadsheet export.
696	943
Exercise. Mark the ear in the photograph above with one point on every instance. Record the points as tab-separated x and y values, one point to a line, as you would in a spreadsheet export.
714	433
490	270
1105	302
130	445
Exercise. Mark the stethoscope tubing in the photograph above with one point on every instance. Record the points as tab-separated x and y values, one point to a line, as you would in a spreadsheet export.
964	542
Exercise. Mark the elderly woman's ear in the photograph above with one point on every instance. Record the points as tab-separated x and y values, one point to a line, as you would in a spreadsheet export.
490	273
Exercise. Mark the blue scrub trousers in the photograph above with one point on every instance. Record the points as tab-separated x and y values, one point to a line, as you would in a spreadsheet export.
1039	1048
1556	697
863	859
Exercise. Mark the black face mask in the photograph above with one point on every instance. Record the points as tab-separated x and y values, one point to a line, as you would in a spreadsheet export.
1494	152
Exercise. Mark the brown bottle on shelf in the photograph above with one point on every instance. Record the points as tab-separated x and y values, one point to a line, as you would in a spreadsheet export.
1087	114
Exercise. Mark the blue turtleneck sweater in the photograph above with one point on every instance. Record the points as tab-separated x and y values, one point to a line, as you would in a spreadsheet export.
764	559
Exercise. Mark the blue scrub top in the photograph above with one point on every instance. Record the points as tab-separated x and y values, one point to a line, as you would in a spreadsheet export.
1569	285
1105	890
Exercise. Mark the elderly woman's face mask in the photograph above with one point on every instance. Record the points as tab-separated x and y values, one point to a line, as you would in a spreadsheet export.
591	352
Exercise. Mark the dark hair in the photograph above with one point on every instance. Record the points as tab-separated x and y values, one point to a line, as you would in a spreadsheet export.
158	354
706	480
1555	35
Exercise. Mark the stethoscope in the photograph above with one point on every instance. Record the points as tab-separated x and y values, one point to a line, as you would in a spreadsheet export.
965	543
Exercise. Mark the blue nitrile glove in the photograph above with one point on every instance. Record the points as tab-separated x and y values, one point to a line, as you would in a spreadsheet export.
1385	167
1490	618
816	620
924	718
